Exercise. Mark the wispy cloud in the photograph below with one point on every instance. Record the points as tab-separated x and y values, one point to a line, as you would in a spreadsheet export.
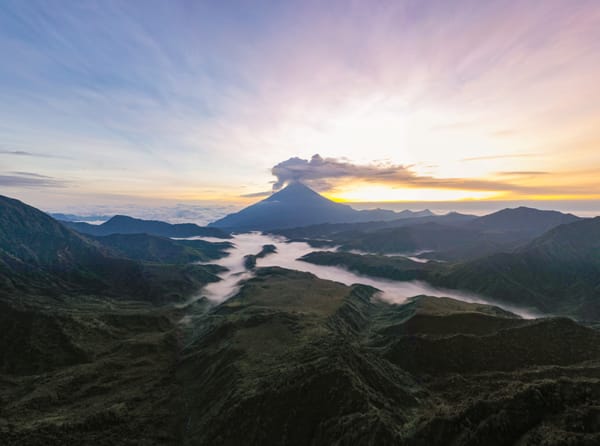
257	194
528	173
31	175
505	132
30	180
500	157
30	154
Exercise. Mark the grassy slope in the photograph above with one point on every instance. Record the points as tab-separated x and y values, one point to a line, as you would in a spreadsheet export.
86	355
88	374
151	248
558	272
41	257
395	268
278	362
296	360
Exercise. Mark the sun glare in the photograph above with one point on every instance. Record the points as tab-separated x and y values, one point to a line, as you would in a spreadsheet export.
383	193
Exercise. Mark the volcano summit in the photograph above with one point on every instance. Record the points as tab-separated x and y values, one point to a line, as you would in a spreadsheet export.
298	205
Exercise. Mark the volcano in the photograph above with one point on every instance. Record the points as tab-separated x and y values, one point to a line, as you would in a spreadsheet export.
298	205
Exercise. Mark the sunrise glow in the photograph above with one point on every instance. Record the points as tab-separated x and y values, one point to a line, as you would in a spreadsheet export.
499	103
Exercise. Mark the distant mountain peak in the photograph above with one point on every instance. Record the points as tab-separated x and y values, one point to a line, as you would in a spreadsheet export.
119	217
298	205
124	224
534	221
296	191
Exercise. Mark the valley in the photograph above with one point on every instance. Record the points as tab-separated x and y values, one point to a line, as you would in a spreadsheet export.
394	284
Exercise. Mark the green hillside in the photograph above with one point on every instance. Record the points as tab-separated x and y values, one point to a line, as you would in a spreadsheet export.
41	257
296	360
558	272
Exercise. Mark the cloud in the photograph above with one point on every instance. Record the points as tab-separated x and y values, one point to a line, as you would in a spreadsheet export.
523	173
498	157
318	170
31	174
30	180
264	193
29	154
200	214
505	132
321	173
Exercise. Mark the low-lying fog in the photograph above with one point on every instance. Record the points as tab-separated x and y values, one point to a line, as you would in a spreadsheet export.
414	256
287	257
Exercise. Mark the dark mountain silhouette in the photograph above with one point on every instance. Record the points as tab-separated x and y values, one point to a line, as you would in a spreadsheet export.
30	238
122	224
298	205
326	230
558	272
78	218
40	256
528	221
451	237
152	248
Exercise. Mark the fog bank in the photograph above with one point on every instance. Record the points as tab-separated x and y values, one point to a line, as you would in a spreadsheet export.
287	257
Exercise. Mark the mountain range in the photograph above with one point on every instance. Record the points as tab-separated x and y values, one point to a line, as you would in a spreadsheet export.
558	272
448	237
122	224
100	344
40	255
555	272
458	239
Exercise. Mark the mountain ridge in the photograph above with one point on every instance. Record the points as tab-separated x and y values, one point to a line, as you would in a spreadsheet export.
557	272
40	256
123	224
522	219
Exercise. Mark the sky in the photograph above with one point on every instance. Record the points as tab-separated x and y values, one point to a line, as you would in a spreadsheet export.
140	104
